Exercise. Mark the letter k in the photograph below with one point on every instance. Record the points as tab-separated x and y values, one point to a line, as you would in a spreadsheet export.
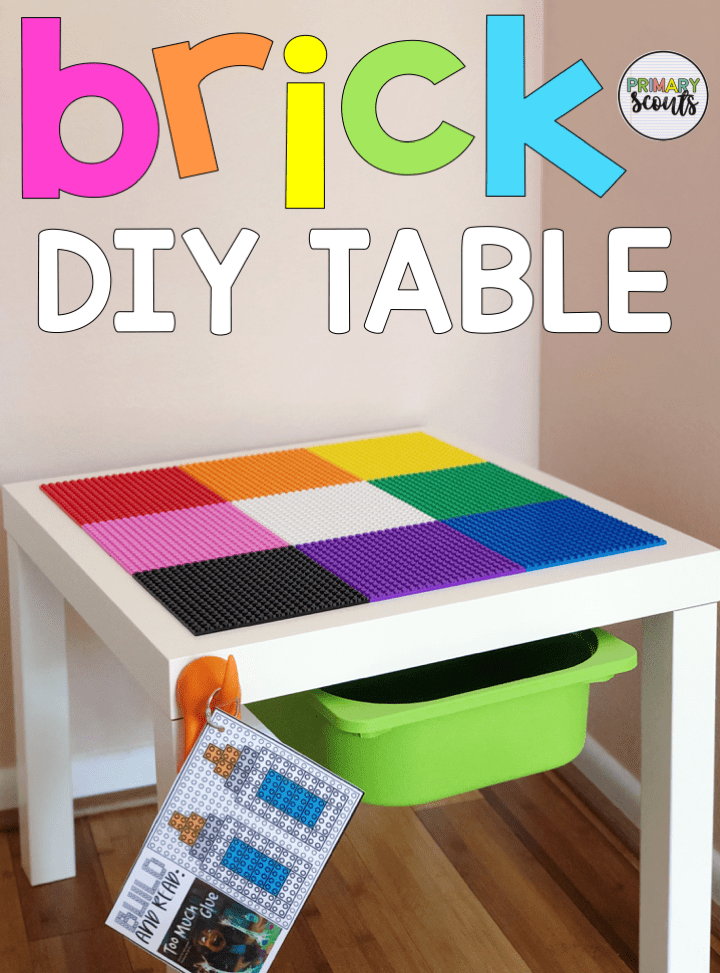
515	119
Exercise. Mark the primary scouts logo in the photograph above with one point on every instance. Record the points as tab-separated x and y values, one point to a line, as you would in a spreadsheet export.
663	95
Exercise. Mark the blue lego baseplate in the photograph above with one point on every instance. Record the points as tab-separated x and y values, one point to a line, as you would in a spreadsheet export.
542	535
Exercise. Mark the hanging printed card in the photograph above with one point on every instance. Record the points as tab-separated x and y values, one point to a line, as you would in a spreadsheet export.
234	852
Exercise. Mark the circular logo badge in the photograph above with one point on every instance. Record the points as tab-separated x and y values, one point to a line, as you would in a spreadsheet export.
663	95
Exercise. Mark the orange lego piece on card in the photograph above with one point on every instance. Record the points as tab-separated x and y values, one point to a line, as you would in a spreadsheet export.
177	821
196	683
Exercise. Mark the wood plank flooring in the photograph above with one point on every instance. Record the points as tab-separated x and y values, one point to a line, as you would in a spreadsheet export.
519	878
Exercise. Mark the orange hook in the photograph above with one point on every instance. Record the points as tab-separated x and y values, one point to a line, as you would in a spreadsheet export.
196	683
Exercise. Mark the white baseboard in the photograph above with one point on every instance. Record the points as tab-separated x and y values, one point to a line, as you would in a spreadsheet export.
623	789
94	774
611	778
8	788
105	773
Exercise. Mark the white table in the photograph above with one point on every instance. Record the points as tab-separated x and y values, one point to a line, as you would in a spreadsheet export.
675	588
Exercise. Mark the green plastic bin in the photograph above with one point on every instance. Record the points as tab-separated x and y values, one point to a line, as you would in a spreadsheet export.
424	733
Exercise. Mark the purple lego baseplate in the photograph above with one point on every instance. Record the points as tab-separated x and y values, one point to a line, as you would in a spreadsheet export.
406	560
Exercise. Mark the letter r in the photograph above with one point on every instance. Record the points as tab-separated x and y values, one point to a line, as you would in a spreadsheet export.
515	119
180	69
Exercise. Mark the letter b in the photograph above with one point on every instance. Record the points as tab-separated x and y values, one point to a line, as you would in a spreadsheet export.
48	90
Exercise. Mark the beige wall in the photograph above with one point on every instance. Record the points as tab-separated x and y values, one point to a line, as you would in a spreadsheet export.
95	399
629	416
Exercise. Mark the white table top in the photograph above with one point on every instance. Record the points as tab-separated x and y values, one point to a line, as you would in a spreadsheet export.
301	653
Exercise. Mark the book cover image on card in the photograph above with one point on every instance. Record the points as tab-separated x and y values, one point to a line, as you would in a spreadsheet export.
234	852
210	931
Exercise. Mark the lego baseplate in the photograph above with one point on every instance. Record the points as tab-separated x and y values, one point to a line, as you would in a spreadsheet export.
251	539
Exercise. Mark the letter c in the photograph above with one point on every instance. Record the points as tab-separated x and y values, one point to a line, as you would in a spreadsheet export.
359	108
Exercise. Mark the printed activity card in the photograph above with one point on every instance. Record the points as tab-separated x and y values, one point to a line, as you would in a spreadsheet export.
234	852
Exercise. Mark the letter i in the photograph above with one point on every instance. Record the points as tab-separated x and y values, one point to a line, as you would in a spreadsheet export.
305	134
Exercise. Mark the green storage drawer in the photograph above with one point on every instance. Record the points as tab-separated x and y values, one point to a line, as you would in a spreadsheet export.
424	733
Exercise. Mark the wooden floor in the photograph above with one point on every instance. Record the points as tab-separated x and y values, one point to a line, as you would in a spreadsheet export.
519	877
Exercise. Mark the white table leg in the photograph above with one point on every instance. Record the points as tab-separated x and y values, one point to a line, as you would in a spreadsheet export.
168	743
678	742
42	722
